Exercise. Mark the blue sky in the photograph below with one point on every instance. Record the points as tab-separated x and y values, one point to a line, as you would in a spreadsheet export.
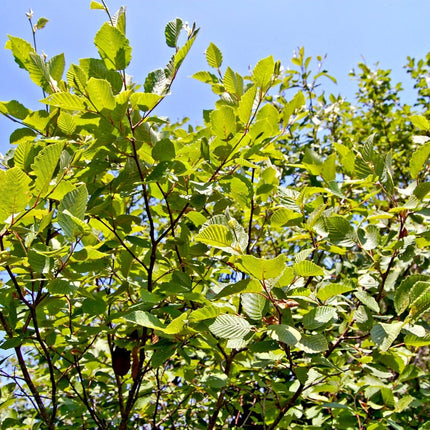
245	30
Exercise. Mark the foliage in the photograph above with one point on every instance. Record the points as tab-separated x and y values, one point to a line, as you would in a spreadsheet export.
267	269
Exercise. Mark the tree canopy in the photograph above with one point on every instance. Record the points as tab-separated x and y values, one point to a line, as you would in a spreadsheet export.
267	269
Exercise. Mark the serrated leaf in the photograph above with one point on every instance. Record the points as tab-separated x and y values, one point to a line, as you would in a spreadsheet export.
56	67
230	327
285	216
308	268
331	290
65	100
204	313
39	73
66	123
341	232
21	50
262	268
263	72
179	57
284	333
72	210
214	56
417	341
219	236
402	294
367	300
172	32
14	108
418	158
242	286
100	94
246	104
254	305
233	83
144	101
44	166
14	185
206	77
420	305
313	344
318	317
385	334
223	122
113	47
145	319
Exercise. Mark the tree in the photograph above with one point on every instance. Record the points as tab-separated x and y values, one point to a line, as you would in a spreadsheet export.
267	269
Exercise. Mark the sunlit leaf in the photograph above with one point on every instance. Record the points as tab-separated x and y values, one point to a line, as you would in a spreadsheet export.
230	327
214	56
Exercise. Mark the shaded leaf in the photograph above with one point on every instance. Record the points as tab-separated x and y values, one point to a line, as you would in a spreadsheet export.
284	333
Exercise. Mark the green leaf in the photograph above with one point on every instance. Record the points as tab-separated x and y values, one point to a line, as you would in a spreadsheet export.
100	94
66	123
367	300
331	290
172	32
262	268
113	47
14	108
66	101
285	216
214	56
183	52
254	305
163	150
56	67
308	268
417	341
318	317
219	236
233	82
41	22
402	297
206	77
290	108
419	156
313	344
420	305
284	333
44	166
72	210
385	334
204	313
246	104
96	5
329	168
144	101
144	319
230	327
420	122
263	72
341	232
223	122
39	73
21	50
14	185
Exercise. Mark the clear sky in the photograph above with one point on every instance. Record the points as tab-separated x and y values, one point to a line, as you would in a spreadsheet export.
347	31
